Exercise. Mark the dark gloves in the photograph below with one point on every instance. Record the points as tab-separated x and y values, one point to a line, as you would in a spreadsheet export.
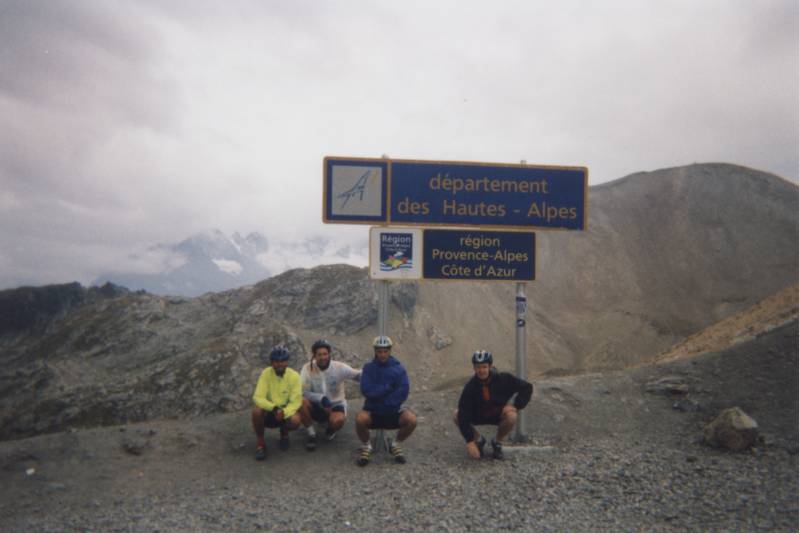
326	403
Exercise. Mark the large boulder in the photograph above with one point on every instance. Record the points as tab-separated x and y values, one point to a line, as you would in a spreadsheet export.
732	429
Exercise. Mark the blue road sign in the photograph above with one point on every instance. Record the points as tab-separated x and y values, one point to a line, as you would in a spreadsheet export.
455	194
478	255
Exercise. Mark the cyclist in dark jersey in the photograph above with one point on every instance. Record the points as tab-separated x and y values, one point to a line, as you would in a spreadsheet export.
484	401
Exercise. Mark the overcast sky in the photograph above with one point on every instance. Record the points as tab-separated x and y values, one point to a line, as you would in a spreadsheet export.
127	124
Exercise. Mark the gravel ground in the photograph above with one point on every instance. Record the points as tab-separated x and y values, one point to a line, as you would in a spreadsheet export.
604	456
607	484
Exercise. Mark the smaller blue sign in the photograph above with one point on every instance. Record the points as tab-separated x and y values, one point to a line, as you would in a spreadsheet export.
479	255
396	251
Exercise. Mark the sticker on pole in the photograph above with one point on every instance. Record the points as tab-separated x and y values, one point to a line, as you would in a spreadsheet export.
395	253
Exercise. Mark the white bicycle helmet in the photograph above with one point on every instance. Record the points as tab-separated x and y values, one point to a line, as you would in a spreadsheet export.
382	341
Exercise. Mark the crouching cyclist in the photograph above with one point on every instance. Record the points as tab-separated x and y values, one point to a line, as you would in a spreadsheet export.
385	386
484	401
277	399
323	399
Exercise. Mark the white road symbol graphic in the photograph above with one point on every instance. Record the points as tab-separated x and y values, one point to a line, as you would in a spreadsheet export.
358	189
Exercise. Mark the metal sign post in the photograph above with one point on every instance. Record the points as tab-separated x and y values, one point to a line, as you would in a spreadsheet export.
379	439
382	306
382	296
520	434
521	353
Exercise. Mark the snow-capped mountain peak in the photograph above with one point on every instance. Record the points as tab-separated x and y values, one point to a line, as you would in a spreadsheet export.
205	262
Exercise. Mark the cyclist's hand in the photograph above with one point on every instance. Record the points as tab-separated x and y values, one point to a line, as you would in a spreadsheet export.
327	405
473	450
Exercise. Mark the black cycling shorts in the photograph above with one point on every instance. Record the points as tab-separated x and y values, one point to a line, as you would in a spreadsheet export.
489	417
271	422
385	421
319	415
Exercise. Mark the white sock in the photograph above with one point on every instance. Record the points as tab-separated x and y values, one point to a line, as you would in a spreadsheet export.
311	431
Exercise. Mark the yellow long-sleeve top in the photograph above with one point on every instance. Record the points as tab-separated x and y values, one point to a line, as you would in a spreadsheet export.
274	391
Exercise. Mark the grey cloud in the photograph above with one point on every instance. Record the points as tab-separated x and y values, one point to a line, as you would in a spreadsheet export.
76	79
71	75
770	28
70	55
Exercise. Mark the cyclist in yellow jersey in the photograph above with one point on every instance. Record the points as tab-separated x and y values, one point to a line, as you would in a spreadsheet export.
277	399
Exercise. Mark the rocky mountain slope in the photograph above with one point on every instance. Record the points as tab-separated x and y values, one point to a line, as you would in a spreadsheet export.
667	254
136	356
768	314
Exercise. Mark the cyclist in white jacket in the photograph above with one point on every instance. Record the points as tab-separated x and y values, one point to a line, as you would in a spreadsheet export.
323	399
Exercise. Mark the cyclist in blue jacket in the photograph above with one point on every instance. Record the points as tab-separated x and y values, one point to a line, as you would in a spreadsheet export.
385	386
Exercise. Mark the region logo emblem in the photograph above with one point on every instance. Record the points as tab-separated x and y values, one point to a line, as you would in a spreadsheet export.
396	251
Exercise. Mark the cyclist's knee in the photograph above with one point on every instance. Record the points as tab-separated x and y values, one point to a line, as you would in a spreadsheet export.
363	418
509	413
